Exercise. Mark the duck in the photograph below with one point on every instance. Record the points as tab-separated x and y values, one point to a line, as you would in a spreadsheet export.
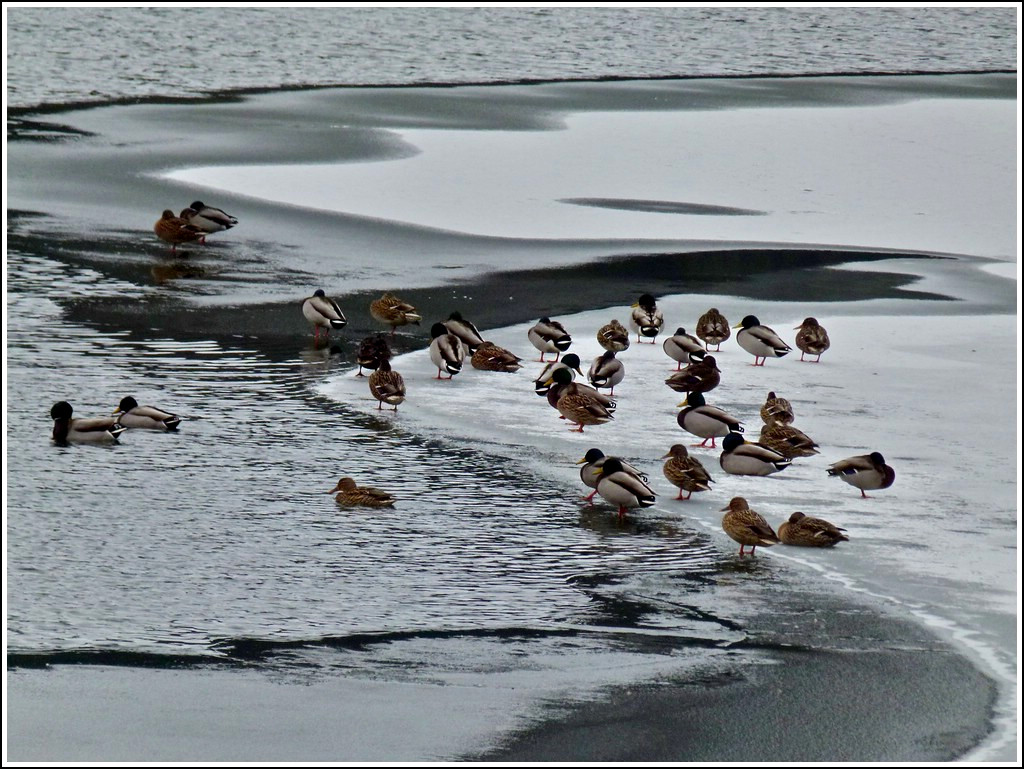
323	312
95	430
700	377
606	371
372	350
582	409
491	357
549	336
776	409
787	440
392	311
760	341
571	361
562	382
680	346
811	339
351	495
175	230
740	457
713	328
594	460
612	336
806	531
465	331
148	417
707	422
865	472
446	351
746	526
387	386
685	472
621	487
646	319
209	219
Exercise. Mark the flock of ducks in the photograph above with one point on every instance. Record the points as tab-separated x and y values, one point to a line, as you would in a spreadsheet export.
582	405
614	479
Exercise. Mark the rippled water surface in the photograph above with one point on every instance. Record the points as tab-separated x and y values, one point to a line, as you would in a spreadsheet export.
56	55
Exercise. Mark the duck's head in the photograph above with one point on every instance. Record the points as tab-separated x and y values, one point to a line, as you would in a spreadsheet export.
345	484
611	465
693	400
732	441
127	404
591	456
319	292
680	331
456	316
167	214
748	322
61	410
197	205
677	450
709	360
795	517
646	301
877	459
560	376
438	329
545	319
572	360
736	504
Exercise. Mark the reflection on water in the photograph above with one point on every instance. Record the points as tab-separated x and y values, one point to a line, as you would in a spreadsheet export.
222	529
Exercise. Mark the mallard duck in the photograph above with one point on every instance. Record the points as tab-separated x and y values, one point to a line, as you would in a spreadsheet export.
621	487
174	230
323	312
542	384
392	311
700	377
740	457
606	371
746	526
491	357
372	350
582	409
595	459
787	440
465	331
387	386
865	471
446	351
707	422
96	430
351	495
713	328
613	336
646	319
561	382
776	409
549	336
680	346
812	339
135	416
760	341
803	530
685	472
209	219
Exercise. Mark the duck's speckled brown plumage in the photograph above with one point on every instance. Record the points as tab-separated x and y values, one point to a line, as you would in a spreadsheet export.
776	409
685	472
713	328
613	336
392	311
746	526
175	230
491	357
352	495
700	377
387	386
787	440
805	531
812	339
